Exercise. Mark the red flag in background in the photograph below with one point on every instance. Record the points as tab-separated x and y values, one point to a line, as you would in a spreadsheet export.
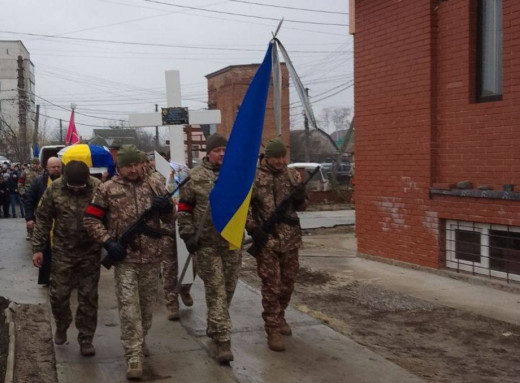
72	134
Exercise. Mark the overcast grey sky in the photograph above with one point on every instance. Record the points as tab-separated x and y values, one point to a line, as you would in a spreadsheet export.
109	56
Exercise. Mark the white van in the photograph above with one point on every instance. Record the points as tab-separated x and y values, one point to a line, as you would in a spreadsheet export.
47	152
319	181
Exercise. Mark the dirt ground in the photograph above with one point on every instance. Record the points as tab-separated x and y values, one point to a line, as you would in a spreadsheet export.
34	361
4	338
437	343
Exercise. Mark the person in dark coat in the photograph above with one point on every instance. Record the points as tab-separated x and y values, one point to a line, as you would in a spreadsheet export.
4	196
14	193
32	198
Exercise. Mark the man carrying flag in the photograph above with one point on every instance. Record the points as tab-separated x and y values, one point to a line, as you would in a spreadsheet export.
217	266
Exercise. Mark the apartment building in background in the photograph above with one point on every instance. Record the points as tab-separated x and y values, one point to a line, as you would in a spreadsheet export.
16	101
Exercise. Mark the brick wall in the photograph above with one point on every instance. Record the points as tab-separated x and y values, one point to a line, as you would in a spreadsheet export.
417	125
226	90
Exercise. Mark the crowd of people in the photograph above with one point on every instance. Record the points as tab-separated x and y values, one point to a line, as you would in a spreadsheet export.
14	181
72	215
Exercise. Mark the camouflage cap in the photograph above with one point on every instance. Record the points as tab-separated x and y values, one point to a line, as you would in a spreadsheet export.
35	161
127	155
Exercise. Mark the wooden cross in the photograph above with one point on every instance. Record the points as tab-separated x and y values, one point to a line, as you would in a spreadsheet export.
176	134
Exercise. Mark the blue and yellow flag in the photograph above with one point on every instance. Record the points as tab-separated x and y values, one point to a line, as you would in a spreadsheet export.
231	195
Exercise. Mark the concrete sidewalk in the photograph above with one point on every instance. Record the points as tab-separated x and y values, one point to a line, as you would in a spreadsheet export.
181	352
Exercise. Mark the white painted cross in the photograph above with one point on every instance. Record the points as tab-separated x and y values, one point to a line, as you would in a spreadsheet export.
176	134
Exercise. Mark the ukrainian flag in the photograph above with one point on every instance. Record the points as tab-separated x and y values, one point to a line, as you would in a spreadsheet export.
231	195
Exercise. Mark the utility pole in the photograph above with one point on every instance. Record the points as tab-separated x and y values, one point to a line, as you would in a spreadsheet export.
35	131
307	138
61	131
22	113
156	130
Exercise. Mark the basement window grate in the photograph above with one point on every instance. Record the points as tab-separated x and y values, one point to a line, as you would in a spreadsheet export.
486	249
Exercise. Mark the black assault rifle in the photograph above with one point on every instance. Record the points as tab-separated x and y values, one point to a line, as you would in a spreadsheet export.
140	227
278	215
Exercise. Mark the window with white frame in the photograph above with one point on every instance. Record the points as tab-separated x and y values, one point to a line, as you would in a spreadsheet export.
482	248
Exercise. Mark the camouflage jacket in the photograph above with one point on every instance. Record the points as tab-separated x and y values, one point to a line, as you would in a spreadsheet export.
270	188
66	209
193	202
27	177
116	205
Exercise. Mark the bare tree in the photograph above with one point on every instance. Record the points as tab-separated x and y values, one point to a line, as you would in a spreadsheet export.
334	118
8	139
145	140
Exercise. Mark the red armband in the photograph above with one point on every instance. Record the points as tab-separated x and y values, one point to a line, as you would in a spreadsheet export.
95	211
184	206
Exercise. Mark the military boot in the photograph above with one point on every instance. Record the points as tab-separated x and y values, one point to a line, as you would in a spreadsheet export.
186	298
60	336
285	329
134	370
173	314
87	349
275	341
224	354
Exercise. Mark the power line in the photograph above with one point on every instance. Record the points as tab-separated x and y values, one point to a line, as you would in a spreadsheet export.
79	123
149	44
83	114
244	15
294	8
233	20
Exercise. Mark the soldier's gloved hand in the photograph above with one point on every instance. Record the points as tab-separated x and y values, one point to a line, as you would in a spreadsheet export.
162	204
259	236
115	250
299	194
192	244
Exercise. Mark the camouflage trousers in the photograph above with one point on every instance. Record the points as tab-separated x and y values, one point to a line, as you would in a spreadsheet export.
136	290
219	269
278	272
81	272
170	272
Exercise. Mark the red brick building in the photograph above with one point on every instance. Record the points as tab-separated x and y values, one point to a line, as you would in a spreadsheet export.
437	101
226	90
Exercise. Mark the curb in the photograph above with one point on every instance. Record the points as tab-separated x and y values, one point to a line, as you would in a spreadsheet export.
9	371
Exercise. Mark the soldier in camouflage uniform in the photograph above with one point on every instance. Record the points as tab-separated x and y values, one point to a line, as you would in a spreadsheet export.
169	263
216	264
76	258
28	175
277	261
116	205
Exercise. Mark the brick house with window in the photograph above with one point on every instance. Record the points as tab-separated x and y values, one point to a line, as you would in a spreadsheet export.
437	102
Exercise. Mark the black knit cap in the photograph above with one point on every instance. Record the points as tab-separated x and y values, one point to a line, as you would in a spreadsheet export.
76	173
215	141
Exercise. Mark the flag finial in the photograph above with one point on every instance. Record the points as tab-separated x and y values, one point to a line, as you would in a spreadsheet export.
278	28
